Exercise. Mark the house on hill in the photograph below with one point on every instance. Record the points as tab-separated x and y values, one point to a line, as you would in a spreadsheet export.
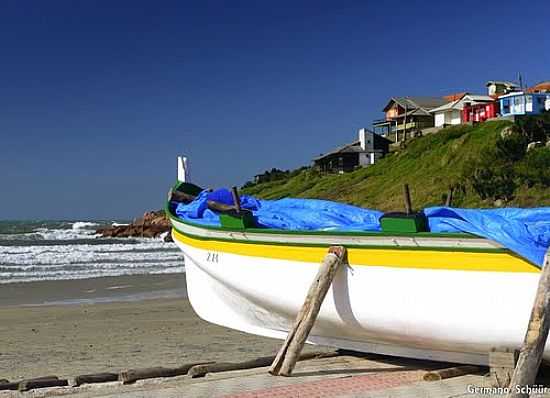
405	116
361	153
480	111
521	103
469	107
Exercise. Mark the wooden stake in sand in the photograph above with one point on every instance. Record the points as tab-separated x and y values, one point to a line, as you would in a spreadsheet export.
290	351
42	382
203	370
530	355
16	385
132	375
440	374
95	378
502	362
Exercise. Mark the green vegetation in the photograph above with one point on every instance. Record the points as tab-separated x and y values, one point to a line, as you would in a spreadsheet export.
274	175
488	165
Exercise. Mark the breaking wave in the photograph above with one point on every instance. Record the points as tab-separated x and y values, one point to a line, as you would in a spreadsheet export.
51	250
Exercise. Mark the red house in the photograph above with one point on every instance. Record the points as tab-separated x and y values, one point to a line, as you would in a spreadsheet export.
480	112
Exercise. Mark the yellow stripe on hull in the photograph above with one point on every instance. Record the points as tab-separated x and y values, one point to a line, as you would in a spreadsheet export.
402	258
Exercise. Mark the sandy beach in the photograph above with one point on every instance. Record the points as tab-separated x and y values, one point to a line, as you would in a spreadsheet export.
108	324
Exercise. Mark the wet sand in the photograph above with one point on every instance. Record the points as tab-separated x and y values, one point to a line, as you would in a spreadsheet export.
109	324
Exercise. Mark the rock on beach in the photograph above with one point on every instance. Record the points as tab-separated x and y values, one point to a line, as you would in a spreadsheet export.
150	225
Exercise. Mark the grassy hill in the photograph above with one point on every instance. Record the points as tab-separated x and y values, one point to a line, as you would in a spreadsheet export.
487	164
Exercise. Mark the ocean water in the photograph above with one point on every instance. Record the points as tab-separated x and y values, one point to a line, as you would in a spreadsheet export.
52	250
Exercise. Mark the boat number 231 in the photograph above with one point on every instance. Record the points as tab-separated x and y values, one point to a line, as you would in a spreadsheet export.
212	257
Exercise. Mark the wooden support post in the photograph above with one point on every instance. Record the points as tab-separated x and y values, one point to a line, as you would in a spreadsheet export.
236	199
502	362
290	351
407	196
531	352
440	374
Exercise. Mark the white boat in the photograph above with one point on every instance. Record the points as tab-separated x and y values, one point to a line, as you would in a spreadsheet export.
447	297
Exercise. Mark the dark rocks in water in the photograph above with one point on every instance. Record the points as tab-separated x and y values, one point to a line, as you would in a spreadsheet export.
150	225
168	238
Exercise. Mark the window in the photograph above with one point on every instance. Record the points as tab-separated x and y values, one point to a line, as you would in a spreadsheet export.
529	103
519	107
505	106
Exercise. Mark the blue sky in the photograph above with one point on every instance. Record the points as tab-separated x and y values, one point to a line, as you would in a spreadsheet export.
97	98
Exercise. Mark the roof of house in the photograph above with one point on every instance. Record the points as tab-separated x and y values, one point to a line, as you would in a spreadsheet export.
512	94
426	103
455	96
352	147
347	148
540	87
459	103
480	98
502	82
520	93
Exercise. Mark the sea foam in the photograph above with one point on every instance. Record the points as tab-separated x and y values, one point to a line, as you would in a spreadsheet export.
72	250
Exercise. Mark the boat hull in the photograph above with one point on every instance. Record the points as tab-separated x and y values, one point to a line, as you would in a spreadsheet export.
410	305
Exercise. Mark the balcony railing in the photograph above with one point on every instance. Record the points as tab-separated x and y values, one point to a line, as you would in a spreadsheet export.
382	121
392	126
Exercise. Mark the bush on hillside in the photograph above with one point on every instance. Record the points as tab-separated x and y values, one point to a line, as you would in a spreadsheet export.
535	168
491	178
511	148
535	128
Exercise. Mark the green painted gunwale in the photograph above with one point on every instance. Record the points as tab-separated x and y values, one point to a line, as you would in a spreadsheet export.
335	234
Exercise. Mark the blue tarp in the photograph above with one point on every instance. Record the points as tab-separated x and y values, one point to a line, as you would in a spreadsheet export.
524	231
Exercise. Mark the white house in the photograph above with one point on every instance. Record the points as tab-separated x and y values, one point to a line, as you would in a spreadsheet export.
451	112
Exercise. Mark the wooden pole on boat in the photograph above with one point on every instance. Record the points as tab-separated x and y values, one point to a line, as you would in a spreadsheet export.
289	353
449	198
531	352
236	199
212	205
407	195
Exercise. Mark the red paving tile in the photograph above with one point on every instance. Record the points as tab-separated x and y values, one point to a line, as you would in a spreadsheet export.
335	387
